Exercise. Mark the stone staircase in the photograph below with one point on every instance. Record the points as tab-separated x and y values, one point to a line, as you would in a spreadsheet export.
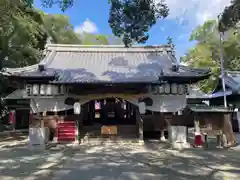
66	131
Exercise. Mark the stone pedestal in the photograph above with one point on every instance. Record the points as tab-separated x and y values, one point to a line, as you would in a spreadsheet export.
177	136
37	138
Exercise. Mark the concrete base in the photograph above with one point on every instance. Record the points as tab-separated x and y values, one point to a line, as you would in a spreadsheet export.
163	139
179	145
36	147
141	142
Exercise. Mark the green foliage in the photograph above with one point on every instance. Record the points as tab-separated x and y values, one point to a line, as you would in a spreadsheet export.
132	19
63	4
230	16
99	39
206	53
20	32
59	29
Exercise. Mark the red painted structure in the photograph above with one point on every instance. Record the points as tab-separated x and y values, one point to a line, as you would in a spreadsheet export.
66	131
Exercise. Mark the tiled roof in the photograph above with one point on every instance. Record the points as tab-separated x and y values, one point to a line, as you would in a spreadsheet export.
113	64
76	63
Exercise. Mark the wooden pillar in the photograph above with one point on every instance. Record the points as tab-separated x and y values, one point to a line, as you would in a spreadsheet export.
139	123
101	109
162	137
227	130
127	110
168	119
91	111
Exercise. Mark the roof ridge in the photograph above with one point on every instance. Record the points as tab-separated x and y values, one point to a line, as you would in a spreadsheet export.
80	47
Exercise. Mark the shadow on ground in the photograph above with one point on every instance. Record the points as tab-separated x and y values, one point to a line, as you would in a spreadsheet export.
18	162
121	161
151	161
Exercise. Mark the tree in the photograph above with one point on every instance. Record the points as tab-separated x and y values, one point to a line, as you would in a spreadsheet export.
206	53
59	29
99	39
132	19
20	32
171	44
230	16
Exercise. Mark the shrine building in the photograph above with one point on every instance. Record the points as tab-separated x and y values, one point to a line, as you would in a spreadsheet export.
110	83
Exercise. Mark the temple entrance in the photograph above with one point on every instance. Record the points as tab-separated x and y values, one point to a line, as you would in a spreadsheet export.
109	111
109	117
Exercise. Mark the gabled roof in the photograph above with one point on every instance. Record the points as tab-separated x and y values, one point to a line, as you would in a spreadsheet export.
78	63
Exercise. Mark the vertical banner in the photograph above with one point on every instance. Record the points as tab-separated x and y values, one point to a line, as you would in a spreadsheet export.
12	118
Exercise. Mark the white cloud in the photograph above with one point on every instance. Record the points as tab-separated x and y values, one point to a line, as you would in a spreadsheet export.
87	26
195	12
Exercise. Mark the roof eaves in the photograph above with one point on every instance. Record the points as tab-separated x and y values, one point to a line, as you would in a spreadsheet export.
10	71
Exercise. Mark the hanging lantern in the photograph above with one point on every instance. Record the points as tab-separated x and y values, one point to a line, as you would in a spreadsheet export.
35	89
42	89
49	89
142	107
187	88
54	90
174	88
167	88
155	90
29	89
149	89
179	113
161	89
77	108
61	89
181	89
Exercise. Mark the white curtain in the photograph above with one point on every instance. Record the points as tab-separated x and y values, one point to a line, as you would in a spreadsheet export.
164	103
167	103
161	103
49	104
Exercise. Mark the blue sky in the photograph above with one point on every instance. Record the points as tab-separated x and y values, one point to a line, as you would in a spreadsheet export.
92	16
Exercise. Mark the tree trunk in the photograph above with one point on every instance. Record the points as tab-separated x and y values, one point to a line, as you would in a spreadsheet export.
227	130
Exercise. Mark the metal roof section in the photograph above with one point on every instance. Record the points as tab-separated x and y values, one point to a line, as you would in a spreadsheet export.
232	82
205	108
104	63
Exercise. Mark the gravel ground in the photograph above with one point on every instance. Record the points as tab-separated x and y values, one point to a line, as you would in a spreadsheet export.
151	161
116	161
